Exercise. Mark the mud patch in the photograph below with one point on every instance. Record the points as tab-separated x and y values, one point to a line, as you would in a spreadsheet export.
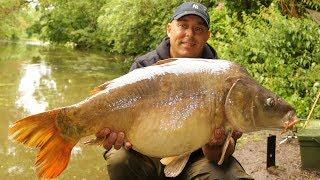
251	152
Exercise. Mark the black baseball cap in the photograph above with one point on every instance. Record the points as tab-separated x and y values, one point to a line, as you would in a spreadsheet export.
189	8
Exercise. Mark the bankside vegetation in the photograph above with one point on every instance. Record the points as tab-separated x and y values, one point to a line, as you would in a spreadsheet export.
276	40
15	17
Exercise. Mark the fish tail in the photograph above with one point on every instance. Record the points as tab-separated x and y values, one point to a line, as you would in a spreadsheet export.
40	131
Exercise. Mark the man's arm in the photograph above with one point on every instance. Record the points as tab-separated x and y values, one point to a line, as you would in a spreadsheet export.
136	64
213	149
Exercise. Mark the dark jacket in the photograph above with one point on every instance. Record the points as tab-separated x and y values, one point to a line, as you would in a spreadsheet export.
163	52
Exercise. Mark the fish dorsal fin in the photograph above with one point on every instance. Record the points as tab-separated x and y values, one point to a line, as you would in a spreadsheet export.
100	88
239	103
164	61
225	147
175	164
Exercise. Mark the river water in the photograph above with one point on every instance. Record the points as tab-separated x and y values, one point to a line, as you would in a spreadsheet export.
38	78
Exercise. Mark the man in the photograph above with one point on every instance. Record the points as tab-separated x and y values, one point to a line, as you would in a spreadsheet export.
187	33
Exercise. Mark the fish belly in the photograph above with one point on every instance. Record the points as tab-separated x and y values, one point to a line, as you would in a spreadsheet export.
171	130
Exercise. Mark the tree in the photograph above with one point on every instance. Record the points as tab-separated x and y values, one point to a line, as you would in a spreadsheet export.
15	17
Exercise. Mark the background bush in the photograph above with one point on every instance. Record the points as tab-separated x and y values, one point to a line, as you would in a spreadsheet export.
280	52
115	26
70	21
15	18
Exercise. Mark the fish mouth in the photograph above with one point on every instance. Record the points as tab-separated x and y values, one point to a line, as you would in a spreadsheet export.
290	120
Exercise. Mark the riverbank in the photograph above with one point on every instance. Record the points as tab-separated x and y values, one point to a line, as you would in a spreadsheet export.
251	151
33	42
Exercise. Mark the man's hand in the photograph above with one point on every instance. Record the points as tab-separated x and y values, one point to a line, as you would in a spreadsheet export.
115	139
213	149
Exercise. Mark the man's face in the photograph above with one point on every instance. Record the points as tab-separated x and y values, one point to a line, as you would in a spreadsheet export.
188	36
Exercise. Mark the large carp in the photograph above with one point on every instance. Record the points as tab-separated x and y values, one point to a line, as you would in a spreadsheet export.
167	109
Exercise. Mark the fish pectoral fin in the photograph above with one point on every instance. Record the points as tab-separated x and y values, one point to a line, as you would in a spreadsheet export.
176	164
167	160
99	88
225	147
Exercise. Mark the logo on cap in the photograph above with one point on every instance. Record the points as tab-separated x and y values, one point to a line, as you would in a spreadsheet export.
195	6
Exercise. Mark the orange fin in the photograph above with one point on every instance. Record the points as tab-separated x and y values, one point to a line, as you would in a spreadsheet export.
175	164
99	88
164	61
40	131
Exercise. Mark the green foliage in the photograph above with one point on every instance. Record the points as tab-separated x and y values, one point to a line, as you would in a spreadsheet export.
70	21
35	28
311	4
124	27
15	17
138	29
294	8
281	53
247	6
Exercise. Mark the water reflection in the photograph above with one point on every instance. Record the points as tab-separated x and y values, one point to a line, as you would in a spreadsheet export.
34	79
31	98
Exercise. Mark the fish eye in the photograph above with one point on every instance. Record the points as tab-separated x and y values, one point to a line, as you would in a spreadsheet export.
270	102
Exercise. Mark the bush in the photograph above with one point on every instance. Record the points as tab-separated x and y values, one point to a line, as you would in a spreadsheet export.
71	21
15	17
123	27
247	6
281	53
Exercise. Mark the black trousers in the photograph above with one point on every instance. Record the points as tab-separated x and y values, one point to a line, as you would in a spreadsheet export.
125	165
